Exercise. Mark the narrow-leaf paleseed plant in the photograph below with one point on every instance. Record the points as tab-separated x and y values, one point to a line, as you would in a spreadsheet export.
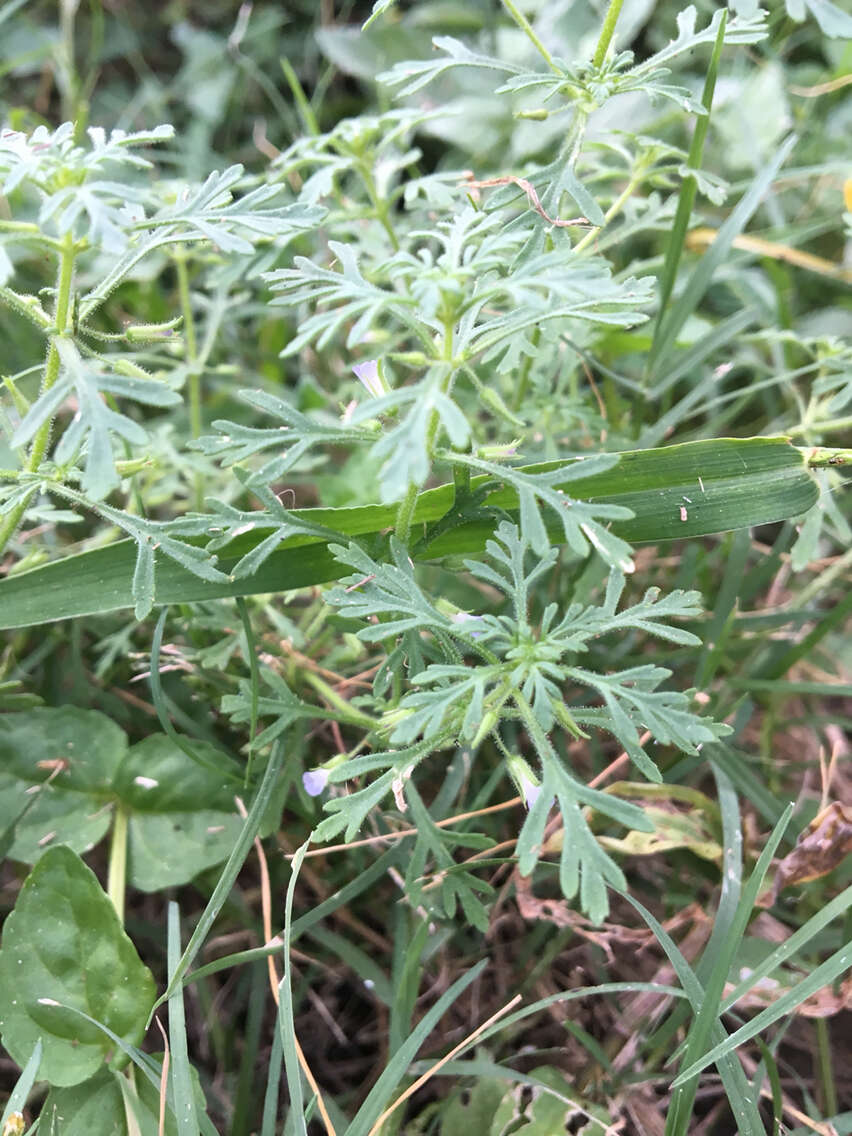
473	391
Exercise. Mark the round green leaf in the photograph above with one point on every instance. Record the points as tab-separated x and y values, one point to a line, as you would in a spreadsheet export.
64	944
171	848
158	777
97	1107
182	814
78	752
92	1108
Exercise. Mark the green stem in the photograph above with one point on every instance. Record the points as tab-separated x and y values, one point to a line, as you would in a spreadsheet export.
526	27
614	209
827	426
405	513
380	206
193	367
117	874
348	712
825	456
607	32
526	367
309	119
686	199
827	1083
51	374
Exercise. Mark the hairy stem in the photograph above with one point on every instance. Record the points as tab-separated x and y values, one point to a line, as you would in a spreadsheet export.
380	204
526	27
826	426
607	32
402	530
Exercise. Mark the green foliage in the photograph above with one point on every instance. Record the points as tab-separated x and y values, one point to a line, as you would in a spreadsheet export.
64	955
179	814
449	348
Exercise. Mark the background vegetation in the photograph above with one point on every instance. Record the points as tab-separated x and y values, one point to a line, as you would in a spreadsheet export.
426	684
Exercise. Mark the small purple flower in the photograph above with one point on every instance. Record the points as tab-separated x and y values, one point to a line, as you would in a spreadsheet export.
532	792
368	375
467	617
528	784
315	781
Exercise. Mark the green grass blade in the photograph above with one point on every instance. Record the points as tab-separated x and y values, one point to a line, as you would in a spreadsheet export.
689	186
729	897
733	1078
254	679
181	1071
286	1024
229	872
702	274
269	1124
376	871
724	948
791	946
396	1068
747	782
719	336
824	975
18	1096
686	490
715	636
772	1073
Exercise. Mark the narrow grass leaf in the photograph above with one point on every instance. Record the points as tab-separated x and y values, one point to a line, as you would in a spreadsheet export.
254	683
701	276
18	1096
229	873
396	1068
824	975
269	1123
689	185
725	946
674	492
733	1078
286	1025
791	946
772	1073
181	1072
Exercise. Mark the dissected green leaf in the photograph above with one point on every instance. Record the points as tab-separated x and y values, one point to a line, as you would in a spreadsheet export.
675	491
64	949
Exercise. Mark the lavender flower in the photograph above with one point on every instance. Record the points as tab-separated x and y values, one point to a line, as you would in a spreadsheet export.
315	781
368	375
528	784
